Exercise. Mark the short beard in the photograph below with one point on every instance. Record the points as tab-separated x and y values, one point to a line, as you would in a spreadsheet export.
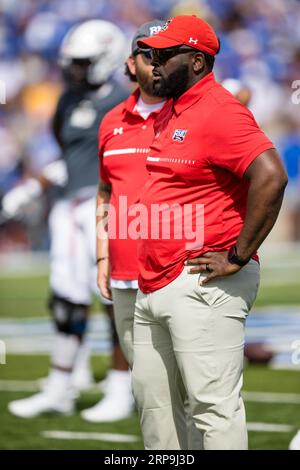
144	81
174	85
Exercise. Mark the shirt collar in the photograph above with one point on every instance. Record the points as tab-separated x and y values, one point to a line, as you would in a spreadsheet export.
131	101
193	94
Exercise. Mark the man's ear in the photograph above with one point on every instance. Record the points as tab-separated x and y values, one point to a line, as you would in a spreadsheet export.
198	63
131	65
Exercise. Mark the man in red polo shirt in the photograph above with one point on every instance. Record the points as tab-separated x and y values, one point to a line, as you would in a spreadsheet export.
213	194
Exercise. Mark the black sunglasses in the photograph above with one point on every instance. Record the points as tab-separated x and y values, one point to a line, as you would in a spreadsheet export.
145	53
163	55
81	62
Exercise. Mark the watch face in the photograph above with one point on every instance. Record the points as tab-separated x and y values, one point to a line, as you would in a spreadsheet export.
233	258
231	254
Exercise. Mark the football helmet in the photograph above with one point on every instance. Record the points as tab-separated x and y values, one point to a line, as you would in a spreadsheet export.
100	46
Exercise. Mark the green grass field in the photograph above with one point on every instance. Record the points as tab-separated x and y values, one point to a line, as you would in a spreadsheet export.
18	433
22	297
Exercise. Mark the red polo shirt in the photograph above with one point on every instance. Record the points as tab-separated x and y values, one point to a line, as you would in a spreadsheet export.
124	139
203	144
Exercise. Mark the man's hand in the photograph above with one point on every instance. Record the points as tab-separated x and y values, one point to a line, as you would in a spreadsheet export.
56	173
216	263
19	197
103	278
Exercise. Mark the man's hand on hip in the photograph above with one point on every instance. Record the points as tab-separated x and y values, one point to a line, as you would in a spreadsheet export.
215	263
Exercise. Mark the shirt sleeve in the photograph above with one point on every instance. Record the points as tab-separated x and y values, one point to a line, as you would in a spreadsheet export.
103	176
234	139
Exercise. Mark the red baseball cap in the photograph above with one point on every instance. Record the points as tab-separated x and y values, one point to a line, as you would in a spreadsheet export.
189	30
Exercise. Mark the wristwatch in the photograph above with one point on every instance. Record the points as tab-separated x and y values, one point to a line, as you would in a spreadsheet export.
233	257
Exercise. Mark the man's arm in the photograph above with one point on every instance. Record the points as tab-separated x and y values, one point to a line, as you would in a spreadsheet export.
268	179
102	254
14	202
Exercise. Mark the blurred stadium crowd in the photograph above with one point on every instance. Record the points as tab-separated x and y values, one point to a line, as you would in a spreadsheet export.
260	46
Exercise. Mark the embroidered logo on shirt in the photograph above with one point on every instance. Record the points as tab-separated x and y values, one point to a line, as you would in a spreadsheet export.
179	135
118	130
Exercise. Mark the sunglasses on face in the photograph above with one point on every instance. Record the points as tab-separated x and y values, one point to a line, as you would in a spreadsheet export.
81	62
163	55
145	53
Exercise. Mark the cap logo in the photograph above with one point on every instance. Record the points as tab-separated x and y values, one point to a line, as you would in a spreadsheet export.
193	41
118	130
166	25
154	30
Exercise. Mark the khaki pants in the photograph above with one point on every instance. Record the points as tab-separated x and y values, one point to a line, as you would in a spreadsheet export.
193	336
124	304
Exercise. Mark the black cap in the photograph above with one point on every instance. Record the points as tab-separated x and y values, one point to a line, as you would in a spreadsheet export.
145	31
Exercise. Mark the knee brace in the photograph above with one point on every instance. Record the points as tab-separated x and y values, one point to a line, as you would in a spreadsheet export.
69	318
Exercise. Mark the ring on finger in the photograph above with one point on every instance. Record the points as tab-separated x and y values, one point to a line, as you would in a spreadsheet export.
208	268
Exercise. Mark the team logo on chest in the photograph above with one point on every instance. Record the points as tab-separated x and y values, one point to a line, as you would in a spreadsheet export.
179	135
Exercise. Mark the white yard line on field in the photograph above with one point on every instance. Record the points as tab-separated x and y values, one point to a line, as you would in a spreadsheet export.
112	437
263	397
267	397
19	386
90	436
269	427
36	386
